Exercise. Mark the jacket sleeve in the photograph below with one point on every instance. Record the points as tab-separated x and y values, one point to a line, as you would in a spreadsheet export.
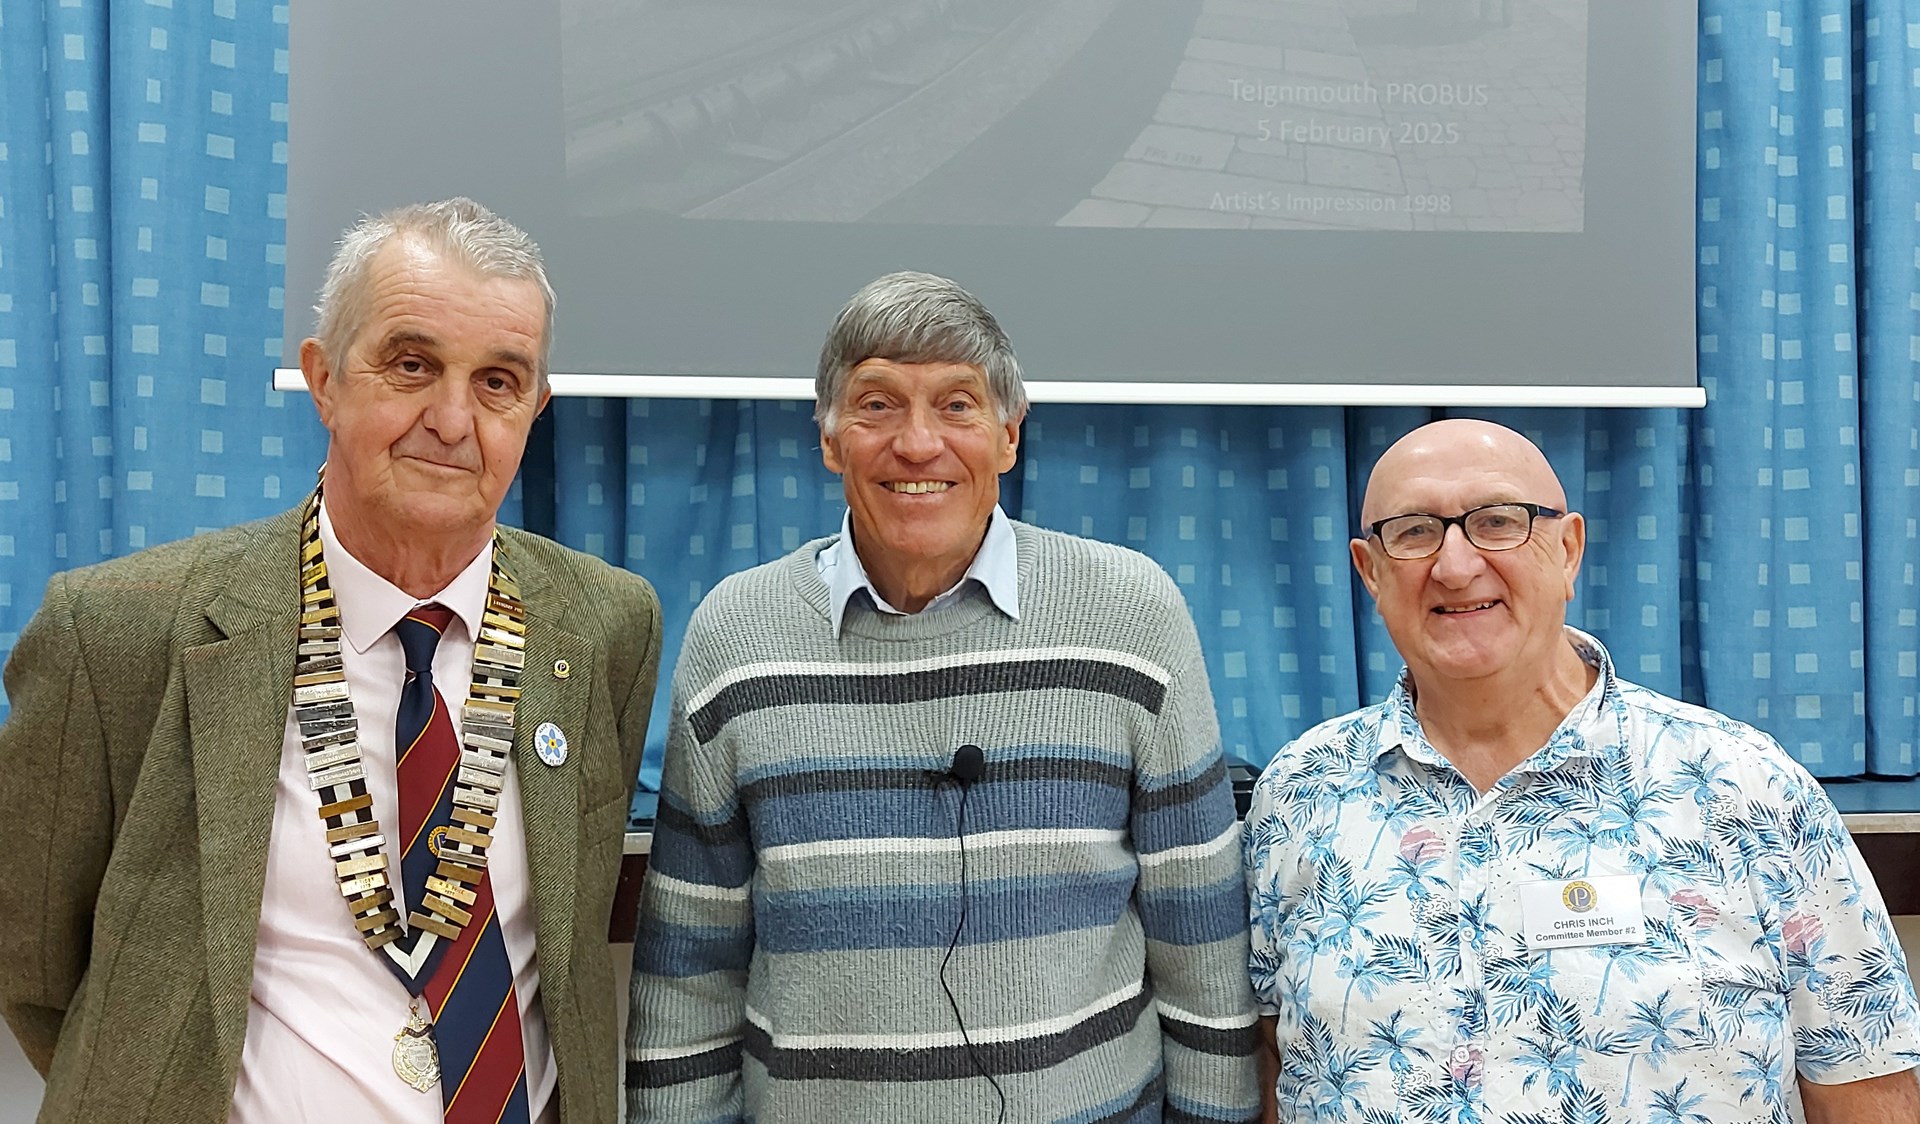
1192	900
57	802
687	1020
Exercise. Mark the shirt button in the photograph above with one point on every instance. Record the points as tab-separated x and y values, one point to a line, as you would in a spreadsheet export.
1462	1054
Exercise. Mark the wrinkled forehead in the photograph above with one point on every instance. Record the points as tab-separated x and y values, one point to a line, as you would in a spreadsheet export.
1449	472
410	278
913	377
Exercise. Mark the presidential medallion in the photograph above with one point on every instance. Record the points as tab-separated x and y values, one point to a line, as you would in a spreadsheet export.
330	735
414	1056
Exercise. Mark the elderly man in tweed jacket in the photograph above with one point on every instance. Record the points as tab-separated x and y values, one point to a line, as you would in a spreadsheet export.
206	769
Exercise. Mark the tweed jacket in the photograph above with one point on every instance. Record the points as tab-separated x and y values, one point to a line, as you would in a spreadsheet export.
137	776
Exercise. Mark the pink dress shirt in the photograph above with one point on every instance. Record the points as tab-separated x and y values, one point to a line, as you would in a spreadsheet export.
325	1008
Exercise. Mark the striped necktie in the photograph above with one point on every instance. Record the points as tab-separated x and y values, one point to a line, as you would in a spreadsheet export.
467	983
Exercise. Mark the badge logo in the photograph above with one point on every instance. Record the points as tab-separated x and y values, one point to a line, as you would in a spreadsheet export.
550	744
436	839
1579	896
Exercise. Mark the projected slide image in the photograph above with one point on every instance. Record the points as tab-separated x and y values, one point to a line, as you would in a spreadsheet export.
1302	114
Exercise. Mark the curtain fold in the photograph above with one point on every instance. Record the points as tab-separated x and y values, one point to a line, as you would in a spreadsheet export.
1806	136
1886	190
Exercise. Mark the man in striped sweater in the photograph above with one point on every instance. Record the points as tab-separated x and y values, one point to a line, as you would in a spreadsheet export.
945	833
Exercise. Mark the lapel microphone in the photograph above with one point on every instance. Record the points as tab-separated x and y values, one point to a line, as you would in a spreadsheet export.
969	764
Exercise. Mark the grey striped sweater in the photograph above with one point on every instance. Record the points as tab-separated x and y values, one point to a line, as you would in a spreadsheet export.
805	876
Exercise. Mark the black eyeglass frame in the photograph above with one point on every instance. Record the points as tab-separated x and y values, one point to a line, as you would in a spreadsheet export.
1534	512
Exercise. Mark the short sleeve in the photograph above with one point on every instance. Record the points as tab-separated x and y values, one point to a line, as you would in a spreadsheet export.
1850	1002
1265	841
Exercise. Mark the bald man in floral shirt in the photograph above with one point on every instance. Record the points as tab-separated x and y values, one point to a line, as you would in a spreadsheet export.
1525	891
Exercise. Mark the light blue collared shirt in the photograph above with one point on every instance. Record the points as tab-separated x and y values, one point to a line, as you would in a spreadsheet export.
996	566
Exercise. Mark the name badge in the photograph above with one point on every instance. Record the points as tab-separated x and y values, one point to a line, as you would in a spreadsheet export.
1570	913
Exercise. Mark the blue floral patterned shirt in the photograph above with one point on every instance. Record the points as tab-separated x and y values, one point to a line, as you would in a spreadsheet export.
1389	937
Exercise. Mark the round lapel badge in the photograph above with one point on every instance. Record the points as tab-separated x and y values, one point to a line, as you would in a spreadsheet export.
1579	896
550	744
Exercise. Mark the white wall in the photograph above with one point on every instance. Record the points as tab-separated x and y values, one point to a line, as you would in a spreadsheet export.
19	1084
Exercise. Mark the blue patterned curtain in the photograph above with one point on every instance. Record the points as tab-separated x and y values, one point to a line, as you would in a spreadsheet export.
142	199
1757	556
1885	69
1805	475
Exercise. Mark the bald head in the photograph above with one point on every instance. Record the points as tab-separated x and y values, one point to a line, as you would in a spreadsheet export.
1481	461
1476	608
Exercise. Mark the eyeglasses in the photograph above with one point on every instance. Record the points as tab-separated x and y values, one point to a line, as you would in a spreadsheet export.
1496	526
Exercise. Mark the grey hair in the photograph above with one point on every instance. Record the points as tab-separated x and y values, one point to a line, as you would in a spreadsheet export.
917	318
458	229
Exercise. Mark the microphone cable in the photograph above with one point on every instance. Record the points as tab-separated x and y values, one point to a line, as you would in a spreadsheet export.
966	770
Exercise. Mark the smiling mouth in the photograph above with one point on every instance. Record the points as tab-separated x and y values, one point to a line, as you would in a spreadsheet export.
1451	610
918	487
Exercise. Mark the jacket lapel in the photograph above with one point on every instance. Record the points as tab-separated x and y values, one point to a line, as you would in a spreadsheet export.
237	693
550	795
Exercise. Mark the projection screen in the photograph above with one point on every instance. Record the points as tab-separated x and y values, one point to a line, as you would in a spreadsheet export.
1439	201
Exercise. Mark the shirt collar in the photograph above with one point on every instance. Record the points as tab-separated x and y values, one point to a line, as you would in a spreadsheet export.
370	605
1593	728
995	566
